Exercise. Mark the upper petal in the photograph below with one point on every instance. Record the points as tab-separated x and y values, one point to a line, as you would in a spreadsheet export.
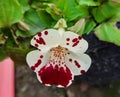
73	42
78	63
46	39
37	59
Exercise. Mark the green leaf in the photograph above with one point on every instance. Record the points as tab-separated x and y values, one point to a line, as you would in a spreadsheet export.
108	32
2	40
54	12
46	19
34	22
25	4
89	26
88	2
105	11
24	34
44	0
71	10
117	1
3	54
116	17
10	12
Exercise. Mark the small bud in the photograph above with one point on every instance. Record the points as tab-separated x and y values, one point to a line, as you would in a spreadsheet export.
61	24
78	27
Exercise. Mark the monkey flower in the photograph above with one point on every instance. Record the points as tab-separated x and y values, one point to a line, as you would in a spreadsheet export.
60	56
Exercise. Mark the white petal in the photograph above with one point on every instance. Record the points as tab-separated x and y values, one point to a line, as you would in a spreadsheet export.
37	59
78	63
46	39
74	42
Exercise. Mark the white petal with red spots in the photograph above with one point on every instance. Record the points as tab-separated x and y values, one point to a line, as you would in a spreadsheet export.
37	59
46	39
74	42
60	56
78	63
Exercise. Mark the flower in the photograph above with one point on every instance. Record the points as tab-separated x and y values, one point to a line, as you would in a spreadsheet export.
60	56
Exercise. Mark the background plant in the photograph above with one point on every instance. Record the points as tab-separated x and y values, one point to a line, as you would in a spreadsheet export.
22	19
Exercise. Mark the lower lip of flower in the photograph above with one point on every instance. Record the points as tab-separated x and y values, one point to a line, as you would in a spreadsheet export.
55	75
55	72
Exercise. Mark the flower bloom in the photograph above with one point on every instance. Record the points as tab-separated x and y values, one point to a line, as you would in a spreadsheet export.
60	56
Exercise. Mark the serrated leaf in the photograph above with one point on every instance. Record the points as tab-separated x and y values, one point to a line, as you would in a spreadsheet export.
10	12
88	2
104	12
108	32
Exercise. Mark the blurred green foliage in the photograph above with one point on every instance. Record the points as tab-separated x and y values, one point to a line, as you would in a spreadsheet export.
20	20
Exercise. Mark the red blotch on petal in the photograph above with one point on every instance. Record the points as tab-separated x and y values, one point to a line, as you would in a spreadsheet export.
40	41
46	32
38	63
79	37
77	64
75	39
33	68
82	71
75	44
55	75
67	39
39	34
36	45
70	60
67	43
41	56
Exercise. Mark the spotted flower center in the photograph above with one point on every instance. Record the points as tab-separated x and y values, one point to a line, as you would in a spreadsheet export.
58	55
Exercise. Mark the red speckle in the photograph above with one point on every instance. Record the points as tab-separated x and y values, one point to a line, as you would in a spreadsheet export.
34	38
82	71
70	60
75	39
75	44
79	37
77	64
67	39
46	32
33	68
39	49
67	43
41	41
36	45
38	63
55	75
41	56
39	34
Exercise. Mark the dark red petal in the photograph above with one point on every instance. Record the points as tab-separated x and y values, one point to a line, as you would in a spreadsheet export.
55	75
